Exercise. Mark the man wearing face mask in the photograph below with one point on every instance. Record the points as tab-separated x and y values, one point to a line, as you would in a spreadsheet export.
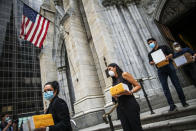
189	69
6	123
165	71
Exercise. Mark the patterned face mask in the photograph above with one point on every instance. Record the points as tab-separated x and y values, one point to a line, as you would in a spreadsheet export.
48	95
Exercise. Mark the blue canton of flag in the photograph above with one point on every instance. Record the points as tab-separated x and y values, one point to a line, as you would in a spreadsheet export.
34	27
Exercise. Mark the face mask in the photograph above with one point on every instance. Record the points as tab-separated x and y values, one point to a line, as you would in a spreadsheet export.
48	95
177	48
152	45
7	119
111	73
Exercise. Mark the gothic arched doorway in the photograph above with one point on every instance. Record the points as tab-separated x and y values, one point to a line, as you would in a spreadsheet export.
176	20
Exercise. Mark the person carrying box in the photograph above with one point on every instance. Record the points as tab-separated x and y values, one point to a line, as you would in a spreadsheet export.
128	109
189	68
165	71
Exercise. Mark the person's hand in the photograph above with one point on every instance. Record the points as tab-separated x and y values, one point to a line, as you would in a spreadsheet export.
194	57
170	56
167	58
10	122
126	93
115	97
152	63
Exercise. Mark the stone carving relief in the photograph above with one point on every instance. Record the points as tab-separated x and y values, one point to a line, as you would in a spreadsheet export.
48	4
117	2
149	6
175	8
66	4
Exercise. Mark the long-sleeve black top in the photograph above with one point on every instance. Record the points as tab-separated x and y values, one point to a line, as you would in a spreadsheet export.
59	110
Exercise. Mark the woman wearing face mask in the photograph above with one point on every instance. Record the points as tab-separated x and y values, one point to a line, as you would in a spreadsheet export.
58	108
189	69
128	109
6	123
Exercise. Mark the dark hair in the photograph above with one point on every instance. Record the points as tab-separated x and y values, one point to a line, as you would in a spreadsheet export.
151	39
2	115
119	71
55	86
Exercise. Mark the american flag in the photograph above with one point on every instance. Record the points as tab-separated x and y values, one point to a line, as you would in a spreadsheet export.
34	27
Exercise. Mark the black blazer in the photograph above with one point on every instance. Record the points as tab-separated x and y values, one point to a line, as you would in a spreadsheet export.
59	110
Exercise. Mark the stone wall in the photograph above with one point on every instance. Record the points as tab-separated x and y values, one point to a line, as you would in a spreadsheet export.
94	36
47	65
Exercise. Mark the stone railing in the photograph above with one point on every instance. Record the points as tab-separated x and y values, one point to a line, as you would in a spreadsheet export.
116	2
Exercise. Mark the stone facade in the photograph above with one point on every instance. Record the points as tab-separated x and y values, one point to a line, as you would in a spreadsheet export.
85	36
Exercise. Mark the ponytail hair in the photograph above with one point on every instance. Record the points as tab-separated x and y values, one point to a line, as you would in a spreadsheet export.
55	86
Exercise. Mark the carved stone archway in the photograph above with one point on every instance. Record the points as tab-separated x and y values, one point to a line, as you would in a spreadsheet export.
169	10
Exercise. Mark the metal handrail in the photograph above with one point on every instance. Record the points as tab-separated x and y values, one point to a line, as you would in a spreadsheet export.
115	106
145	94
108	115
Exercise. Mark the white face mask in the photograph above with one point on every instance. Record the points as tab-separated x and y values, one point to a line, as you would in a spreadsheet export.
177	48
111	73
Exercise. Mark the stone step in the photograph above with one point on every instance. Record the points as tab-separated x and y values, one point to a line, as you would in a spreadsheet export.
161	118
165	115
178	124
187	123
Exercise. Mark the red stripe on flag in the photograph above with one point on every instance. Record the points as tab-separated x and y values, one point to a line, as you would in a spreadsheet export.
29	31
38	24
37	39
22	27
42	41
26	24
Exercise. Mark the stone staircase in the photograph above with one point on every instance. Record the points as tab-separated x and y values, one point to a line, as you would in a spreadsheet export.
184	119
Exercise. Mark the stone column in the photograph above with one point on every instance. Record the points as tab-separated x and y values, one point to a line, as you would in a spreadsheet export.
89	97
103	43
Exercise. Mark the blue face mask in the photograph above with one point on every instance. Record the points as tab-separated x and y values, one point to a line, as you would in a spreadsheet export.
48	95
152	45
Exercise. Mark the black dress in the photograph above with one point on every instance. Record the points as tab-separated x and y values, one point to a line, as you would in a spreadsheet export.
128	109
59	110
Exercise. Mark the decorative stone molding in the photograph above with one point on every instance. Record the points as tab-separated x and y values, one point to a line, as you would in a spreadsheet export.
159	9
66	4
48	5
116	2
174	9
58	2
150	6
167	10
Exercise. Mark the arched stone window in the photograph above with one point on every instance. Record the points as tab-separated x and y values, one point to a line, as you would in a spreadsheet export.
64	78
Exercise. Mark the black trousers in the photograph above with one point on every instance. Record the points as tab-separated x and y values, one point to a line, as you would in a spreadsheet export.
163	74
129	114
190	71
